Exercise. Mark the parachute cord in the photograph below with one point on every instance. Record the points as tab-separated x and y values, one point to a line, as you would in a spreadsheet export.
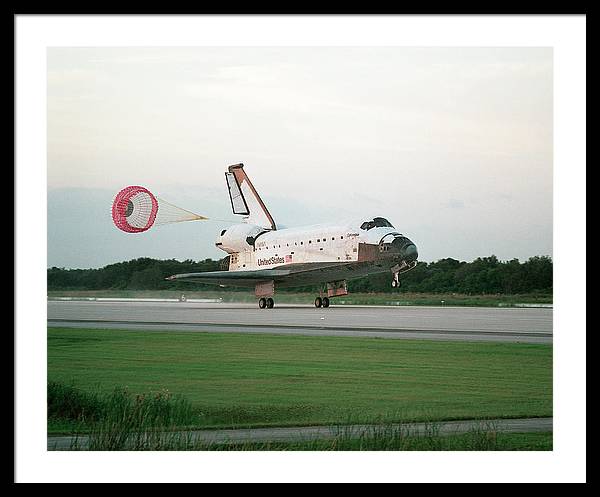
195	216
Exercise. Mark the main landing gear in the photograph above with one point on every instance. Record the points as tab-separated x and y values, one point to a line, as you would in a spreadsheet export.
321	302
396	281
336	288
268	303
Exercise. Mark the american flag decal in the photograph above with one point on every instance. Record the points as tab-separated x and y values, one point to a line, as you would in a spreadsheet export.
288	258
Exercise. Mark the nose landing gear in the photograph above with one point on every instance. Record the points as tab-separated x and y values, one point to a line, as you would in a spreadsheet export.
401	268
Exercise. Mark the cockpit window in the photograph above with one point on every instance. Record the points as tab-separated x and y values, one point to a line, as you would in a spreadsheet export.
377	222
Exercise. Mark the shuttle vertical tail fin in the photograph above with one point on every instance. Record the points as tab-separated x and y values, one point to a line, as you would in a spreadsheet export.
245	200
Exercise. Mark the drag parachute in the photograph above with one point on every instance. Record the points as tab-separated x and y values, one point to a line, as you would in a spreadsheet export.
136	209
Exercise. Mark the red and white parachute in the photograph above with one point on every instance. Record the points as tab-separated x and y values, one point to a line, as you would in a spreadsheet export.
136	209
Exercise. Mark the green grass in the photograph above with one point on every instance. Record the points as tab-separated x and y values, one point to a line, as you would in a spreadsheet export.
71	410
121	420
238	380
389	298
475	440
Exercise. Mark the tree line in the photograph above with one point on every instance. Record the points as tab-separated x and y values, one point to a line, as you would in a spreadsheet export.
486	275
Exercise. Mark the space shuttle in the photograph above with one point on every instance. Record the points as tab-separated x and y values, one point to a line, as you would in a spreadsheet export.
265	258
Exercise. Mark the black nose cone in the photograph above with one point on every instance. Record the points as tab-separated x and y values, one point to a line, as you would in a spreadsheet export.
405	248
410	252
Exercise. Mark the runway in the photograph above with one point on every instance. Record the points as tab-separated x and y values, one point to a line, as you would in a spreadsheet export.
307	433
526	325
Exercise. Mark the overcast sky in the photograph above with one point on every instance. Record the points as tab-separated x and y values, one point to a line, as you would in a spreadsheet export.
452	145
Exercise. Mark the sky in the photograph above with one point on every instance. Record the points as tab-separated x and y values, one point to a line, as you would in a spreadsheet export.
452	145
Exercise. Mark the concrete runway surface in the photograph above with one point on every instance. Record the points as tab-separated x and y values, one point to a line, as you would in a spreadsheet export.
307	433
527	325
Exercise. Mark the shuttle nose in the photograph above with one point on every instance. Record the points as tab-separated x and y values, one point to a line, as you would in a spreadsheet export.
410	252
405	248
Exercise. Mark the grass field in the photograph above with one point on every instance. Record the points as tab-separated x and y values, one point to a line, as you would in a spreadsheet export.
391	298
469	441
238	380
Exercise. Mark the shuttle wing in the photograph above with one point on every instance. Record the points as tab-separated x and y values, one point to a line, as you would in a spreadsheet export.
232	278
286	275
